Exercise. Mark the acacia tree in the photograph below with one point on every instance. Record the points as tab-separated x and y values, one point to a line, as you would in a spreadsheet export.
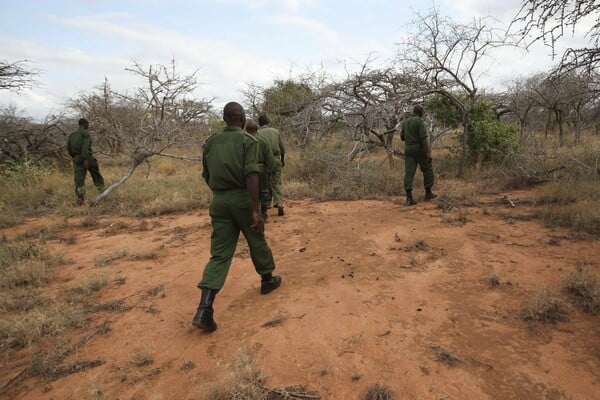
447	56
547	20
295	105
147	122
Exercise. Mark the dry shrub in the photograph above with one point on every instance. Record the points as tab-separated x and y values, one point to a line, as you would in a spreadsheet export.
456	194
546	305
243	383
379	392
91	285
50	320
329	175
25	264
582	216
297	190
584	286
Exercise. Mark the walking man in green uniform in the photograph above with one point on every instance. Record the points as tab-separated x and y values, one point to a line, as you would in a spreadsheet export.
79	146
274	138
230	168
417	151
266	167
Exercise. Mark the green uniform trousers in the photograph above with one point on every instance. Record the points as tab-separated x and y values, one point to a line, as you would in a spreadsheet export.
263	187
275	184
79	173
411	160
230	213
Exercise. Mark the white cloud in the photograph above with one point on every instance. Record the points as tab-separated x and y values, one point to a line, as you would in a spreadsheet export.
313	26
223	67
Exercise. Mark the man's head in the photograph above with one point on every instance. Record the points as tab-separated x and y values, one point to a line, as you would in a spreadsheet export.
83	123
418	110
251	127
234	115
263	120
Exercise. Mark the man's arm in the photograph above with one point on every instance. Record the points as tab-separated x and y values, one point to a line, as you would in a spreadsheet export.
252	187
426	148
281	150
425	144
86	143
269	158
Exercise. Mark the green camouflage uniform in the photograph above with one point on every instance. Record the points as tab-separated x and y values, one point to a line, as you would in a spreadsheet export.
79	146
227	158
413	132
267	166
273	137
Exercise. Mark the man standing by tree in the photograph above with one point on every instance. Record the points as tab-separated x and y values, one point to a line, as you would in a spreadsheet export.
230	168
266	167
274	138
79	146
417	151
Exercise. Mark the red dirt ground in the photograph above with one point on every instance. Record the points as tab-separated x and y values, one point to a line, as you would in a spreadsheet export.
359	305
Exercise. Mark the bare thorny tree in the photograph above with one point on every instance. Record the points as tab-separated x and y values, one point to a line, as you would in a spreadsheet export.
17	76
371	103
447	57
148	122
20	137
547	20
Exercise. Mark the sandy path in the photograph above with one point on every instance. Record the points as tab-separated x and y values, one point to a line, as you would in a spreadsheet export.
370	290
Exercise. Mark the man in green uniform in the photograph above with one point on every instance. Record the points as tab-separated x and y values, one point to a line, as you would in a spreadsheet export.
274	138
79	146
230	168
417	151
266	166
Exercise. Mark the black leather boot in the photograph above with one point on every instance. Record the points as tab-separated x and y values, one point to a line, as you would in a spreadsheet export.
409	198
269	283
429	194
280	211
204	315
263	211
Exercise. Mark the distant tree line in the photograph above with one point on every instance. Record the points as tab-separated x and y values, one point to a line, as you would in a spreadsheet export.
439	64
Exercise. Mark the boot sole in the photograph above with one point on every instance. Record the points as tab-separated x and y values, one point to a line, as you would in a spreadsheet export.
204	327
270	289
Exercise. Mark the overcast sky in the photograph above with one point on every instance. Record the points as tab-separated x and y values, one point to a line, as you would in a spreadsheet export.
75	44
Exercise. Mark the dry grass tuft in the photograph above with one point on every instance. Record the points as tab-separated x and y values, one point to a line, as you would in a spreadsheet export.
493	280
584	286
245	382
379	392
445	356
546	305
417	244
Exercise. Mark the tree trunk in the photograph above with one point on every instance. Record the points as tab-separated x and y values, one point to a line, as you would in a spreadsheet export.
118	183
561	131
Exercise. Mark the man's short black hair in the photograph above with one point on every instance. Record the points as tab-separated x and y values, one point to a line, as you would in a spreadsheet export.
83	122
263	120
418	110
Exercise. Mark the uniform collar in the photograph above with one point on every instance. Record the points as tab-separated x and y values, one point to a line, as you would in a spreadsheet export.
232	128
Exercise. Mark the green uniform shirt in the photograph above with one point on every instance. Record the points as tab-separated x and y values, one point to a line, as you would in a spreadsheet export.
413	132
265	155
274	138
227	158
79	145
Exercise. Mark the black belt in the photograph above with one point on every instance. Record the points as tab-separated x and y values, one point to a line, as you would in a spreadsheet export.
236	190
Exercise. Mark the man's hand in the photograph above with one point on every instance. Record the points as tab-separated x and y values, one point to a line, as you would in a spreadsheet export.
86	164
258	224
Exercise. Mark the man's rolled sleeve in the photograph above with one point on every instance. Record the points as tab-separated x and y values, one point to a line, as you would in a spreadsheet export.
251	158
